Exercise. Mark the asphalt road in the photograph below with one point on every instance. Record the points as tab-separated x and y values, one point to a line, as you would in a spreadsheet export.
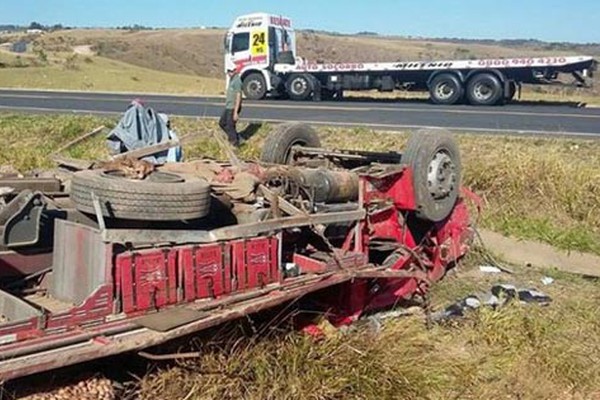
523	118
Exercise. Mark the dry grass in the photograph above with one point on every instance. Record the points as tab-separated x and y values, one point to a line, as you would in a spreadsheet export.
92	73
199	51
519	352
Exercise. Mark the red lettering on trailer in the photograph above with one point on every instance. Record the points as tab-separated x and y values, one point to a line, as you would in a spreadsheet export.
285	22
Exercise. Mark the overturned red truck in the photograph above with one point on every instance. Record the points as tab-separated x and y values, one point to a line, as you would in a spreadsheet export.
122	259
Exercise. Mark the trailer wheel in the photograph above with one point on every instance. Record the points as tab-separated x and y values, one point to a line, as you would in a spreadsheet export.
446	89
278	145
299	86
434	159
254	86
161	196
485	90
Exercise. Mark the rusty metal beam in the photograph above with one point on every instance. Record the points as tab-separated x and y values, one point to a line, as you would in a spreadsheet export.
229	232
45	185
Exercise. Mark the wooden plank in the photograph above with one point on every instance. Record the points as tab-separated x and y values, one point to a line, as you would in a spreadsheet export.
77	140
147	151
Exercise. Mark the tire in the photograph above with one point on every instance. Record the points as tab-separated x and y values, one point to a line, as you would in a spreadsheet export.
485	89
434	158
299	86
160	197
277	146
254	86
446	89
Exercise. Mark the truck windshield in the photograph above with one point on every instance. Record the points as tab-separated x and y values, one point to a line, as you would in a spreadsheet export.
241	42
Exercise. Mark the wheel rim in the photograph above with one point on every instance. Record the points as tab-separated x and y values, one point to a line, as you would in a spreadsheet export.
299	86
444	90
483	91
255	87
441	175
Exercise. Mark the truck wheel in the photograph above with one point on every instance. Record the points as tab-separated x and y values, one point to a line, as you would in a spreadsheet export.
254	86
278	145
161	196
485	90
446	89
299	86
434	159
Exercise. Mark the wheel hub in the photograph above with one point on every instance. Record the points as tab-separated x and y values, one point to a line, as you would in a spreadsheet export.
483	91
254	86
441	175
299	86
444	90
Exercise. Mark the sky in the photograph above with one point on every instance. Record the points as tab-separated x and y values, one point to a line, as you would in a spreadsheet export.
549	20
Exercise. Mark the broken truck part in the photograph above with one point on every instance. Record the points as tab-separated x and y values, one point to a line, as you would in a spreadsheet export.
135	261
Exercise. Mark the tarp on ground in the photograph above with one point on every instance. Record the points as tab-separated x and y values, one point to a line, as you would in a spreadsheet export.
141	127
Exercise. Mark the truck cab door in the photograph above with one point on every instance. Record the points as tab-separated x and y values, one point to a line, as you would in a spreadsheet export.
239	51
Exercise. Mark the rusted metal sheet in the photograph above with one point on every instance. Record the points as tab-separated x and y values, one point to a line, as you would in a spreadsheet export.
14	309
45	185
17	263
81	262
205	271
148	279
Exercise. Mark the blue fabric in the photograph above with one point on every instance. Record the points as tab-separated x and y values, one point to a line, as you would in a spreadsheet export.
141	127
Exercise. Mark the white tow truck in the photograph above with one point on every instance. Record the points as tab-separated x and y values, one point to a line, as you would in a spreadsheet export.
264	46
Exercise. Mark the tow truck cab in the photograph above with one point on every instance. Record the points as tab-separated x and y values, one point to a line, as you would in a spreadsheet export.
257	42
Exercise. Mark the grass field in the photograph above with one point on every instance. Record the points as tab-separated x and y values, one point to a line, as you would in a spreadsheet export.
103	74
545	189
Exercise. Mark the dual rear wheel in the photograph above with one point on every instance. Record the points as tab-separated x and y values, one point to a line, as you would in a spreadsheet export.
484	89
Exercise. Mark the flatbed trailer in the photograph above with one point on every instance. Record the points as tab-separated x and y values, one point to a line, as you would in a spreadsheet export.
263	46
359	231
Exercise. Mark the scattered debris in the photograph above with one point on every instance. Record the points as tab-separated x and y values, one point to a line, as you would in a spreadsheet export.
490	269
546	280
127	167
498	296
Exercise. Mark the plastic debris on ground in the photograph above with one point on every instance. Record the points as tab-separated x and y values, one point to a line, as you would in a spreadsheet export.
490	269
546	280
498	296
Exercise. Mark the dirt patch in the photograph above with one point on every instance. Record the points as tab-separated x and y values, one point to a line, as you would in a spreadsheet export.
85	50
526	252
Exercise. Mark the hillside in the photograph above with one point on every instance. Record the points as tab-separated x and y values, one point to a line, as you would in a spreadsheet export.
195	51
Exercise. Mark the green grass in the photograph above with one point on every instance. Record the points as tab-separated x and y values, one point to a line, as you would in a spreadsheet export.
93	73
